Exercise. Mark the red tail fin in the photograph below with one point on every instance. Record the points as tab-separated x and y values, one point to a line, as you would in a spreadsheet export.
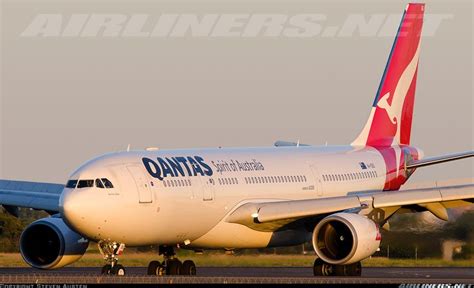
391	116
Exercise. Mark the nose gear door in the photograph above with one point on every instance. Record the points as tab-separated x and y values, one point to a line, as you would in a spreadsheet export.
143	188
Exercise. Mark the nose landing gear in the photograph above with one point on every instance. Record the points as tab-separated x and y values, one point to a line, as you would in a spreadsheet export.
171	265
111	251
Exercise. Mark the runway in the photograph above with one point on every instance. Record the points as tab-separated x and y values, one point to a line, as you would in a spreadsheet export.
240	275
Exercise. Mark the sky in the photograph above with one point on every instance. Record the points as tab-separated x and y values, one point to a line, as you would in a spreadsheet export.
67	99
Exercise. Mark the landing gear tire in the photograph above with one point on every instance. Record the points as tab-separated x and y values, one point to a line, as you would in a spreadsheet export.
353	269
173	267
156	268
321	268
106	269
118	270
189	268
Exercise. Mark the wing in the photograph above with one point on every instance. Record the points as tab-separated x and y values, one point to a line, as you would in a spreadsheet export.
378	206
41	196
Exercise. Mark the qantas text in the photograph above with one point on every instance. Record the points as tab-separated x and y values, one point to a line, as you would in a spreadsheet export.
176	166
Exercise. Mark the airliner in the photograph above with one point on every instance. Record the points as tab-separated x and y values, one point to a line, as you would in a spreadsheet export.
337	197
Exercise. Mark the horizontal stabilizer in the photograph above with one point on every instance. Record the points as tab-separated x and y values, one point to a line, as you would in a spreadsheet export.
439	159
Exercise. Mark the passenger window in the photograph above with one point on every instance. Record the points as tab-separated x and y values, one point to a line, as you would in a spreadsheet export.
107	183
85	183
71	184
99	184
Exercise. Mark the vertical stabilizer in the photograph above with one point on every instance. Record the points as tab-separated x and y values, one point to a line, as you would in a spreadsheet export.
392	111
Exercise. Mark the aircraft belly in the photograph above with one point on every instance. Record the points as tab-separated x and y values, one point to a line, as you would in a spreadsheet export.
229	235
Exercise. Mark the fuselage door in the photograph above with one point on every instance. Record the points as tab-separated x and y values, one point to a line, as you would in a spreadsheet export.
317	179
207	185
144	191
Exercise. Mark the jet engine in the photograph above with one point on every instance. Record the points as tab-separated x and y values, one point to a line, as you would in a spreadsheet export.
49	243
345	238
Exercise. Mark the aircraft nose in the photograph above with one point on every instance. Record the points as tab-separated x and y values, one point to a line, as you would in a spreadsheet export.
70	208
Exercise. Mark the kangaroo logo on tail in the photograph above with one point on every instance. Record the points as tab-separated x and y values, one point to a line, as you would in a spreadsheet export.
394	110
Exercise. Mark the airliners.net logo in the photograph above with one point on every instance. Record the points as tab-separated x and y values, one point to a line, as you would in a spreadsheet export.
221	25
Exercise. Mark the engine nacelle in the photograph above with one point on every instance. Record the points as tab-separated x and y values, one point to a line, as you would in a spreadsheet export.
345	238
49	243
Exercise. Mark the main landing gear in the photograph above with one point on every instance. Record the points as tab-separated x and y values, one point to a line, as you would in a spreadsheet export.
321	268
171	265
111	251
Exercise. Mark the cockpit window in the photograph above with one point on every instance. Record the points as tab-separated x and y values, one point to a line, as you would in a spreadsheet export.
71	184
107	183
85	183
99	183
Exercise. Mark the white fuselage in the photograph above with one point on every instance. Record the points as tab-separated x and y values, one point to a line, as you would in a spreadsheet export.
180	206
